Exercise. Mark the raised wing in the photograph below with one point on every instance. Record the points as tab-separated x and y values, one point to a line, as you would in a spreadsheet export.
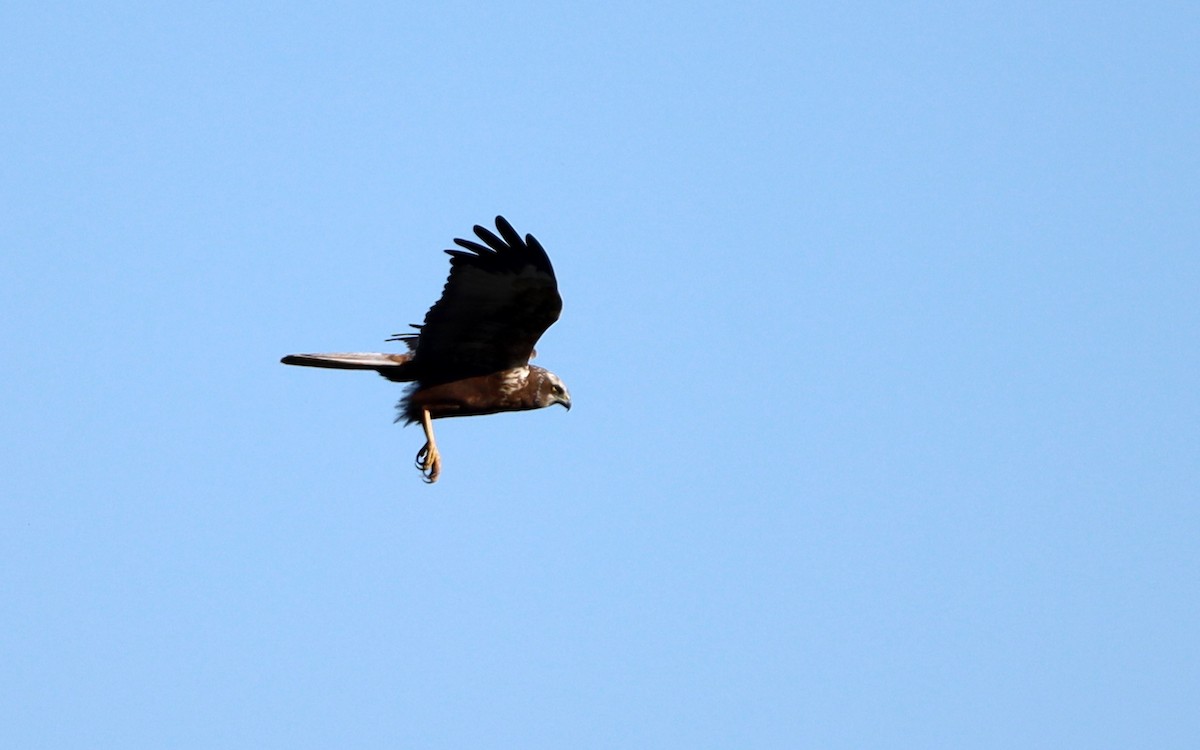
500	298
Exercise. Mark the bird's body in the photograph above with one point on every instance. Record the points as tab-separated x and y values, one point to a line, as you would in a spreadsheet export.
471	355
517	389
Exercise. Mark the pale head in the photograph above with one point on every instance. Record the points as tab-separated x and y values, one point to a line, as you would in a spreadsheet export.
550	388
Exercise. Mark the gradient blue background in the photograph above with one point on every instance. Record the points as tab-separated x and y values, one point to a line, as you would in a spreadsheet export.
881	324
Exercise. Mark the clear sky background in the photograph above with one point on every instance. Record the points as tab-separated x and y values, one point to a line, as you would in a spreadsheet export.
880	320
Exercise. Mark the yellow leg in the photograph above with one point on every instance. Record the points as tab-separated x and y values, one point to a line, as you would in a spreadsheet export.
429	461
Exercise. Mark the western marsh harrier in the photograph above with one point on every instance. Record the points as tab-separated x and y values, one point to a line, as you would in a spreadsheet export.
471	355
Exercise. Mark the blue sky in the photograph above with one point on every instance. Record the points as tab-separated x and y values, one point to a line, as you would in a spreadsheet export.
880	322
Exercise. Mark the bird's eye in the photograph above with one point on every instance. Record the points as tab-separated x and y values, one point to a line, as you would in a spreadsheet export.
556	390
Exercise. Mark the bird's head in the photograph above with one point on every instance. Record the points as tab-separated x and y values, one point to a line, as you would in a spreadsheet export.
551	390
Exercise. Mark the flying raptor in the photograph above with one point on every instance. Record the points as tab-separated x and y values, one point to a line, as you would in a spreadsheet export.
471	355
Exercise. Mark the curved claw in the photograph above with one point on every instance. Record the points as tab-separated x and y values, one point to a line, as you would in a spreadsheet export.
429	461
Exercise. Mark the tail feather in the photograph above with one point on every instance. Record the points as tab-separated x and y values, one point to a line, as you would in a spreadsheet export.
391	366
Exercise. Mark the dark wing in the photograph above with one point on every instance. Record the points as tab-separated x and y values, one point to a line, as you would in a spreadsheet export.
499	299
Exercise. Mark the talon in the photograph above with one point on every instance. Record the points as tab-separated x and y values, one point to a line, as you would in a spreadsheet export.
429	461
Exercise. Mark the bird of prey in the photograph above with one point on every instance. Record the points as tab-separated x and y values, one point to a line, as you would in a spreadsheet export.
471	355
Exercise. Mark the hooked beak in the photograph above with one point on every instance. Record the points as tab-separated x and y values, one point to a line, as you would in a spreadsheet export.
565	400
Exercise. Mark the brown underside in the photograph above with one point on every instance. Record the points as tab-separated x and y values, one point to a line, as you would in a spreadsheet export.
468	397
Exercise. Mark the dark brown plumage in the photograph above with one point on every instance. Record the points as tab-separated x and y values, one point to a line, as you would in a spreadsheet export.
471	355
